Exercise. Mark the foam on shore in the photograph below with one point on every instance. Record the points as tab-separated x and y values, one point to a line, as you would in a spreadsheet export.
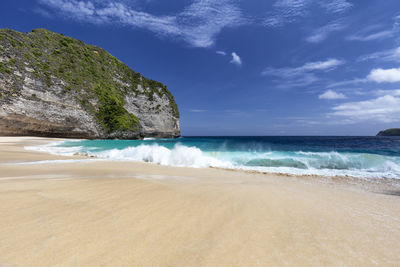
360	165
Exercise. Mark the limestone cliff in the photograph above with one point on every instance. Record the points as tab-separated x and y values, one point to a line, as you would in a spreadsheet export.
56	86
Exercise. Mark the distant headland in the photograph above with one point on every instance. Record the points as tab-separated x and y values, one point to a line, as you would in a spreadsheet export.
390	132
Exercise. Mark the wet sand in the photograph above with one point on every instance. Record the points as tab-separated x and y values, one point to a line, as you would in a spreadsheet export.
100	213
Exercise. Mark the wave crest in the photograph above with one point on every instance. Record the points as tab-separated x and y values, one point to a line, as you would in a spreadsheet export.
333	163
179	155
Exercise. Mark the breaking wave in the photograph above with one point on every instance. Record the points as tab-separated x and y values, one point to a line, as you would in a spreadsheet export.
179	155
362	165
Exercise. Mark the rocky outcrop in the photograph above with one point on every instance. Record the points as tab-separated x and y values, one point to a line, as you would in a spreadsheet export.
390	132
56	86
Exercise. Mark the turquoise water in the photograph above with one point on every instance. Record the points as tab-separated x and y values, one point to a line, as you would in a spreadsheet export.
367	157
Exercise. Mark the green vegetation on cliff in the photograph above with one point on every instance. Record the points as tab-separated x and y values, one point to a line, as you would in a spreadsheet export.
390	132
96	79
111	112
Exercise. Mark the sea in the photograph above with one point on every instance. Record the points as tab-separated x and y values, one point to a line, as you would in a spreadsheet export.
361	157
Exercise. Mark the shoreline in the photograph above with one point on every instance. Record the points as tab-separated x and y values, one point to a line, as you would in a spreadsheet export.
94	213
386	183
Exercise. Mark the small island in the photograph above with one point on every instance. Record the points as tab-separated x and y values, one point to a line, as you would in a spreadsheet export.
390	132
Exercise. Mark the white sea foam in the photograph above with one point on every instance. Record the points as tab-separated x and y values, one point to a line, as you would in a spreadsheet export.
180	155
56	148
333	163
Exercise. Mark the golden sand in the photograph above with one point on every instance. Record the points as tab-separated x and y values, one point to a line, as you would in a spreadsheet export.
99	213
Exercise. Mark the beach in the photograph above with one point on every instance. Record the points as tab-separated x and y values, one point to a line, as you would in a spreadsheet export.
82	211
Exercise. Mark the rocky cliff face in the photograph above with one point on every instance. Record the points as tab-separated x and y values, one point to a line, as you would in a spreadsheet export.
56	86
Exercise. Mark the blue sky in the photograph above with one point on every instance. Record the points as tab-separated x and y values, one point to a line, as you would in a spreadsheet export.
278	67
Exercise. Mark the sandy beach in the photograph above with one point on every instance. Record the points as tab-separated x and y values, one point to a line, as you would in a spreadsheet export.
102	213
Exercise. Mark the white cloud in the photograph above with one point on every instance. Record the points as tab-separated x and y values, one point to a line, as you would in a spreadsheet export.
198	24
376	75
322	33
336	6
236	59
326	65
303	75
383	109
322	65
384	75
394	92
222	53
330	94
371	36
377	32
198	110
42	12
386	55
286	80
289	11
346	83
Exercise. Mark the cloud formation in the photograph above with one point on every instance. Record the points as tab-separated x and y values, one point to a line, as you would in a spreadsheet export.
198	110
331	95
377	32
289	11
395	92
303	75
386	55
384	75
362	36
198	24
320	34
377	75
236	59
382	109
336	6
326	65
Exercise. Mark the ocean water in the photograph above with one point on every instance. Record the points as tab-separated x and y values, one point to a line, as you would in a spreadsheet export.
363	157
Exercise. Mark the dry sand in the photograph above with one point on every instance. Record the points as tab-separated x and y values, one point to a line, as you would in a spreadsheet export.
100	213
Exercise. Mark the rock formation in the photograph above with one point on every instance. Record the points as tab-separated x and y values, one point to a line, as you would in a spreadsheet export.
56	86
390	132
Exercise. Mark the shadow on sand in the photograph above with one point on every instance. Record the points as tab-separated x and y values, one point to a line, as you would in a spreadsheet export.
391	192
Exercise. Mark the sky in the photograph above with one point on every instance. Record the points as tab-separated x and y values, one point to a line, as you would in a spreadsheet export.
250	67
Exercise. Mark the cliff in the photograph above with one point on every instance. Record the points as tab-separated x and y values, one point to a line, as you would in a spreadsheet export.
56	86
390	132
